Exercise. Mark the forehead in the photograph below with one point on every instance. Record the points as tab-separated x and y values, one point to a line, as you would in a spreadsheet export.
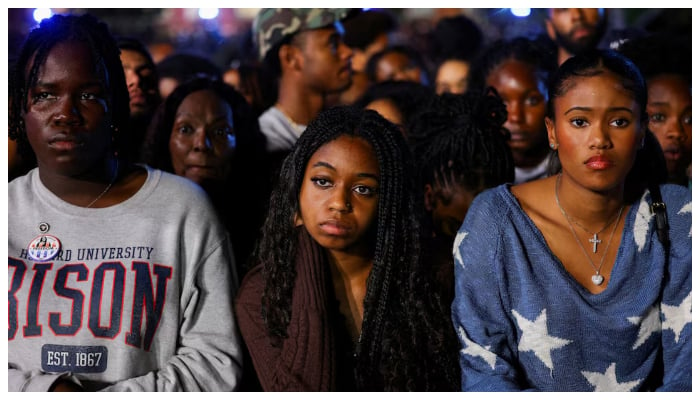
133	57
564	14
68	59
203	100
590	90
669	85
453	67
512	66
353	152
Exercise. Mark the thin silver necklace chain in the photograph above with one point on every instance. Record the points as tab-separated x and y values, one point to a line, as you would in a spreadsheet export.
114	179
594	240
597	278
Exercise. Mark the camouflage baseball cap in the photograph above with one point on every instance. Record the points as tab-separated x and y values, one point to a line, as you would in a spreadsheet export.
271	25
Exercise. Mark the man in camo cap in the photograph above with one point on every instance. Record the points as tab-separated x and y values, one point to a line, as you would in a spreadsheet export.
303	49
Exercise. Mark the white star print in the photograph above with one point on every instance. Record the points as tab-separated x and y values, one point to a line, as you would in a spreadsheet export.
474	350
650	323
607	382
641	223
535	338
688	208
677	317
455	248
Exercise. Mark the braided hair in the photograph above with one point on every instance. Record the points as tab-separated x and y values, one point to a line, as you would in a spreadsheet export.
85	29
460	140
402	345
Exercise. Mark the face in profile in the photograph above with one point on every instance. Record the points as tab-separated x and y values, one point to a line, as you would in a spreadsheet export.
576	29
325	59
141	81
66	118
670	119
598	127
339	195
202	141
451	77
525	98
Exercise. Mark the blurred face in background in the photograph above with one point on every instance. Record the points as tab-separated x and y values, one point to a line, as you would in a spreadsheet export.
325	60
525	97
396	66
142	82
576	29
670	119
452	77
202	141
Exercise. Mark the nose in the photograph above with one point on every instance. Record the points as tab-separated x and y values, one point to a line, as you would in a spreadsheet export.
340	200
132	78
675	130
599	137
67	112
515	112
576	14
201	141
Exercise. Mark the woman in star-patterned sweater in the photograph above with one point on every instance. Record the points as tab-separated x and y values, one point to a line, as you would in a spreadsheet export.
568	283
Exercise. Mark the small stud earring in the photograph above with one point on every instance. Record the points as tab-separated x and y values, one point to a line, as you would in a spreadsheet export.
553	146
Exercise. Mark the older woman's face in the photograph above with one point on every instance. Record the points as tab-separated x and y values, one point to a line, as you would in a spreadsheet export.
202	141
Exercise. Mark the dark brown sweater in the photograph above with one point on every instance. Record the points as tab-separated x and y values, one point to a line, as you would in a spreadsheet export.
308	359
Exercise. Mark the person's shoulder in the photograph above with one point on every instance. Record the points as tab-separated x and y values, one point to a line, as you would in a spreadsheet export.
493	198
490	205
184	187
251	288
21	181
672	193
20	187
270	116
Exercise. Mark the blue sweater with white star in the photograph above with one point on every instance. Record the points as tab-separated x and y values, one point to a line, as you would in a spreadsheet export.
525	324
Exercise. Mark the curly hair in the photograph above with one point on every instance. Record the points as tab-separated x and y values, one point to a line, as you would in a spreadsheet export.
405	344
85	29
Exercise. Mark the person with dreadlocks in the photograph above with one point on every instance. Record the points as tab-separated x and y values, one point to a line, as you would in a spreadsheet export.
460	151
339	301
113	284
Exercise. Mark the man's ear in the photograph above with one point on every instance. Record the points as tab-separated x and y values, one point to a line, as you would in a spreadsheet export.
289	57
428	197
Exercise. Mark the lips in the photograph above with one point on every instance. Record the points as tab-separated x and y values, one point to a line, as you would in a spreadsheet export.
334	228
598	162
64	142
579	33
672	153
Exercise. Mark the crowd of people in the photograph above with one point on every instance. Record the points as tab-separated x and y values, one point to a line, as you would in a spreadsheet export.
343	212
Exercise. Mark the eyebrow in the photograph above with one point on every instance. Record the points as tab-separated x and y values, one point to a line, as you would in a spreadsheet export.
361	174
588	109
659	103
